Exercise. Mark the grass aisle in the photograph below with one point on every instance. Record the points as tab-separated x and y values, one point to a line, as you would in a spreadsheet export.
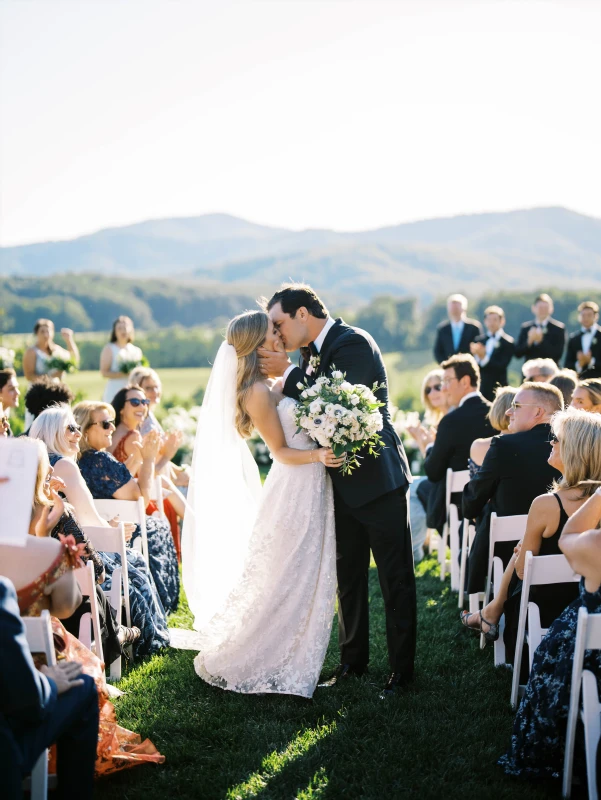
441	740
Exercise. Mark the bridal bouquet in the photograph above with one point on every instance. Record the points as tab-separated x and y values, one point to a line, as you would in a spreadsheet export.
60	363
341	415
129	365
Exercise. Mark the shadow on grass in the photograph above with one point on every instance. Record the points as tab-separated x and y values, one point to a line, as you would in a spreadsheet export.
441	738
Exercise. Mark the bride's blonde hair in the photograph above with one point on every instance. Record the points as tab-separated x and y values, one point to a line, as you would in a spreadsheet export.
245	333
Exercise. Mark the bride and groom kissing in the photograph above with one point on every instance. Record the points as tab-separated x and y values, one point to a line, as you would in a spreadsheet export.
261	563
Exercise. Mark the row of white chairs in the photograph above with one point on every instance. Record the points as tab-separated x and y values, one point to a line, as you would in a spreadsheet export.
538	570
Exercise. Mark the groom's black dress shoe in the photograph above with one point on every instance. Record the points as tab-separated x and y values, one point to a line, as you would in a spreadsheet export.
342	673
396	683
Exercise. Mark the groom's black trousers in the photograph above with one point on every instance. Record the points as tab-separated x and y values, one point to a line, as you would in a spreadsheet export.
381	526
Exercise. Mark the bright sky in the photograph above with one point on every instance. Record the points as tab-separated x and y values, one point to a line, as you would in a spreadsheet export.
346	114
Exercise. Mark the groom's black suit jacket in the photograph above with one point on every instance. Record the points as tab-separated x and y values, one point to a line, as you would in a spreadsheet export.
355	353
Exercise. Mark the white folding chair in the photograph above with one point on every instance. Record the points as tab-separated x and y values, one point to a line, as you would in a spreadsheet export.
38	631
129	511
469	534
112	540
588	637
90	621
455	482
502	529
538	571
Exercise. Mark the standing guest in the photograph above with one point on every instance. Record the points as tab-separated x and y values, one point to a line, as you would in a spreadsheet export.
493	351
515	470
540	370
584	346
57	705
539	729
588	396
43	394
566	381
9	389
456	335
119	357
543	336
456	432
36	359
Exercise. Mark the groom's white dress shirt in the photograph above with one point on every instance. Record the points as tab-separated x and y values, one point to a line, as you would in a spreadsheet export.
318	345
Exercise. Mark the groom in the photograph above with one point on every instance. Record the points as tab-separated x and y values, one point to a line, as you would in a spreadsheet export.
371	502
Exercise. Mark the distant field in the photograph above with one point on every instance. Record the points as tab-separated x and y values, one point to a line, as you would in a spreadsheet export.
405	373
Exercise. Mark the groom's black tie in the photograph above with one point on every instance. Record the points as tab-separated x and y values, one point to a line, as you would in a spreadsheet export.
313	349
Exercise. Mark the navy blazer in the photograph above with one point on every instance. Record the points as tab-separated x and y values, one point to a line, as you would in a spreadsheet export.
443	346
354	352
26	696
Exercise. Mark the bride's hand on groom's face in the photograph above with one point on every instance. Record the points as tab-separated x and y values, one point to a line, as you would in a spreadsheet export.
273	364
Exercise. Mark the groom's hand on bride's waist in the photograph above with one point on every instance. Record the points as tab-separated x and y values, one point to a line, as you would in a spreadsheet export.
273	364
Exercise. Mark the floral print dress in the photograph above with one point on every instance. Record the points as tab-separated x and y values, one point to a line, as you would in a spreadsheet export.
539	729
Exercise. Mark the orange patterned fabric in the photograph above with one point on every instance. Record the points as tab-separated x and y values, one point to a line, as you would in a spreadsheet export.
118	748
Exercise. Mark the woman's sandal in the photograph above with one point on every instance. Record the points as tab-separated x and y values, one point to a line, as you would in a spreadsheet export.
490	635
129	635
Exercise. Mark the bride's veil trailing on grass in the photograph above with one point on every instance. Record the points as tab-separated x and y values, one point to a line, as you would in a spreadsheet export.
223	496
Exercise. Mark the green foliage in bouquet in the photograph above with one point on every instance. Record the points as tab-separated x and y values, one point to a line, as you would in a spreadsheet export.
126	366
60	364
341	415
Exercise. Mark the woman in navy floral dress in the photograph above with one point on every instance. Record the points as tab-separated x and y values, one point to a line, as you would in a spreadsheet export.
107	479
539	730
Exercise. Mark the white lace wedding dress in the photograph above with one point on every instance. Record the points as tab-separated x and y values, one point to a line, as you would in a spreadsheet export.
272	633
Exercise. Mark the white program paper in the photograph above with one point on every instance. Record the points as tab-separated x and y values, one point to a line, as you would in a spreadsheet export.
18	463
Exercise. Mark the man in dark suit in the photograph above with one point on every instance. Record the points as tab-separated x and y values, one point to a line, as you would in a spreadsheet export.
493	351
455	335
456	432
543	336
584	346
515	471
371	503
37	710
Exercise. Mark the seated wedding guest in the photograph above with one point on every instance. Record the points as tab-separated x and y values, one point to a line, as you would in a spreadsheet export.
543	336
46	392
53	517
539	729
493	351
584	346
455	335
456	432
587	395
539	370
497	416
57	705
108	477
131	406
515	470
119	357
9	390
57	428
34	573
434	401
566	381
576	454
150	383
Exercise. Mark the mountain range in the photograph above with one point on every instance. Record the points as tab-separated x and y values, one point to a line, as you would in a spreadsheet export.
516	250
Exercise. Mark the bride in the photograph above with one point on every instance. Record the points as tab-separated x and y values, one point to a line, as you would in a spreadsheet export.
259	564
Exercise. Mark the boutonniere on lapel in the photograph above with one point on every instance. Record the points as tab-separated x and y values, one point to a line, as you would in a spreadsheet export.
594	341
314	362
544	329
497	344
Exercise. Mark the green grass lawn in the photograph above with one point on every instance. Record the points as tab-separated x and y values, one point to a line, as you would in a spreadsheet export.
441	739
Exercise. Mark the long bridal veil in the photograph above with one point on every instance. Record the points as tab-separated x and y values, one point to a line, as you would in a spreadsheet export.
223	496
